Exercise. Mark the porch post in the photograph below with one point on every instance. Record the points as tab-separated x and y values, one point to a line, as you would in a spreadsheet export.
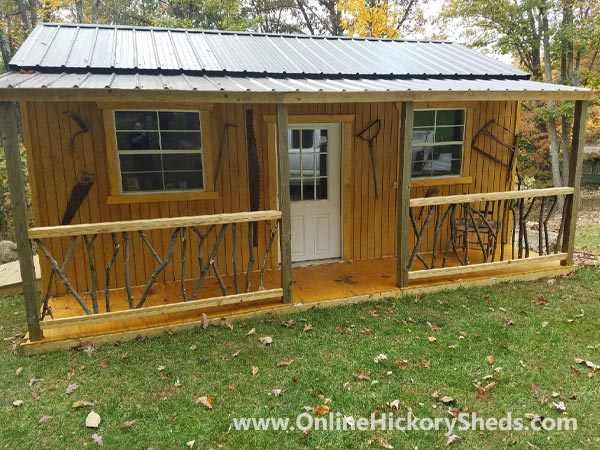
403	196
285	232
10	143
572	201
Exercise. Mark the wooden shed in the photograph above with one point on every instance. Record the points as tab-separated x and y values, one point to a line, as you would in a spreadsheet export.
181	175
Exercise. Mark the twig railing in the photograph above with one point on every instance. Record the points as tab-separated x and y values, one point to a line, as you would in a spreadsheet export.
202	237
483	230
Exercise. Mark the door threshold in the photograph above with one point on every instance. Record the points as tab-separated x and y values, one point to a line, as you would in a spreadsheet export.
316	262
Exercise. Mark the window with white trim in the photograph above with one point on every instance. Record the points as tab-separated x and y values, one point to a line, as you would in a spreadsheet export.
438	142
159	151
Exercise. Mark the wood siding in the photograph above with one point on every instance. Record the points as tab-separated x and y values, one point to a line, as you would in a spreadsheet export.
369	225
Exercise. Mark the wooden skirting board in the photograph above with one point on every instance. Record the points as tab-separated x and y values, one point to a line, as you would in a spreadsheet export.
31	348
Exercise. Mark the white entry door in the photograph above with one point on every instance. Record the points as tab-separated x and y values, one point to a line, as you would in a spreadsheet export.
315	166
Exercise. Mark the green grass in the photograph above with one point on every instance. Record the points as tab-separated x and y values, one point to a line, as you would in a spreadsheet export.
325	358
588	237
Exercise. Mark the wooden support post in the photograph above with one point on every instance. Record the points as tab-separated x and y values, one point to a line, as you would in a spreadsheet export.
285	233
10	143
403	196
572	202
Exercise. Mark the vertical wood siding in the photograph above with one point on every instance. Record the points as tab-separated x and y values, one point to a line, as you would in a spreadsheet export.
54	167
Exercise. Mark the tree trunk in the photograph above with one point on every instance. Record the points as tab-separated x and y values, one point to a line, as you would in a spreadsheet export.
4	45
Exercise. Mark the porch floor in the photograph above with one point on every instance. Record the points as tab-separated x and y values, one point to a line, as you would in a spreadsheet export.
318	285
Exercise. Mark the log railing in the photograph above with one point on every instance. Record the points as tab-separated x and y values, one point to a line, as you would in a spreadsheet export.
476	232
206	234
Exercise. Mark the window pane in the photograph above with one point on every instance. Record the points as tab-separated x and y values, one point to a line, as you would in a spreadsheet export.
308	189
141	182
136	120
308	165
454	150
179	140
296	190
182	161
322	140
321	165
423	135
294	165
137	140
183	180
140	163
424	118
179	120
294	139
321	189
450	117
308	139
448	134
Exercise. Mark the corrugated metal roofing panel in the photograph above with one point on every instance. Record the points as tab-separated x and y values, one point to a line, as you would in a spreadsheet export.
13	80
79	48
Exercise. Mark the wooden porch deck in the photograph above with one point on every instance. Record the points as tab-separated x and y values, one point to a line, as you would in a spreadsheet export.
319	285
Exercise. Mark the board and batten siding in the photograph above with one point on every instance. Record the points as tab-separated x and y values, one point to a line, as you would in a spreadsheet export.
369	226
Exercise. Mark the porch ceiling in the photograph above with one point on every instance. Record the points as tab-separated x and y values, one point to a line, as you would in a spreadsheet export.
24	86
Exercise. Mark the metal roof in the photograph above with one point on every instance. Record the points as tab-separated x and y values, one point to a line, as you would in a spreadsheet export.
103	49
197	83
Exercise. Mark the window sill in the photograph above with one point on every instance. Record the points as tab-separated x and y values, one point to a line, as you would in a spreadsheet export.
161	197
441	181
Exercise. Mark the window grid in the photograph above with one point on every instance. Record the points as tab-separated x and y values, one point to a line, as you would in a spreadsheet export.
161	151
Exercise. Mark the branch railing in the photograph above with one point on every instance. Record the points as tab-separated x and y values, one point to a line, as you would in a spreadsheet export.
200	236
475	232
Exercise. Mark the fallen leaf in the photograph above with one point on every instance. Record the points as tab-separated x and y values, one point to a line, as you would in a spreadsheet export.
204	321
160	368
447	400
541	300
229	325
236	354
97	439
275	392
102	365
289	323
124	355
401	364
82	403
190	444
545	324
426	363
18	371
93	420
266	340
394	405
536	390
362	376
18	403
451	439
45	419
128	424
379	358
252	331
71	388
508	323
490	386
589	364
307	327
177	383
490	359
433	326
193	347
206	401
560	406
432	339
322	410
285	363
254	370
384	444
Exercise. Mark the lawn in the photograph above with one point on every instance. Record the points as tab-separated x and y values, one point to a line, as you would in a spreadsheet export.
524	337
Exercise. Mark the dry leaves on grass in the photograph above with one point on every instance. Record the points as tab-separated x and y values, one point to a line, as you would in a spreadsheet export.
17	403
206	401
97	439
266	340
81	403
362	376
433	326
45	419
285	362
431	338
205	322
322	410
401	364
93	420
71	388
307	327
255	370
490	359
251	332
587	363
289	323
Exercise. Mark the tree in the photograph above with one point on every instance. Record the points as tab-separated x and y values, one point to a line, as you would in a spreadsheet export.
550	39
380	18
